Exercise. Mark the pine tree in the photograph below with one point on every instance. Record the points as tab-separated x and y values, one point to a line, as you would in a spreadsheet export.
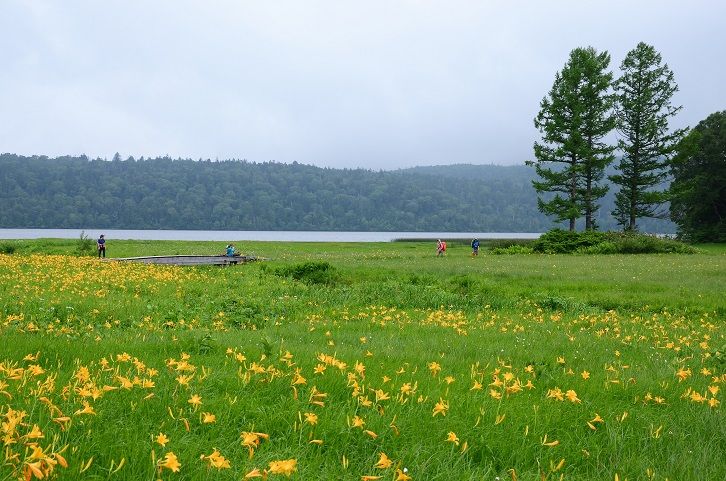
643	107
598	122
574	118
698	202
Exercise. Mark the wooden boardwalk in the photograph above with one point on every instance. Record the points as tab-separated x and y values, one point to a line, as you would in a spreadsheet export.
189	260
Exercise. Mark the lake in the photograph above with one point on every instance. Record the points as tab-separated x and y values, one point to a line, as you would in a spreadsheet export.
229	236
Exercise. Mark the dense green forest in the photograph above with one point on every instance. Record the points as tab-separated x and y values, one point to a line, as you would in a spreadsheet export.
165	193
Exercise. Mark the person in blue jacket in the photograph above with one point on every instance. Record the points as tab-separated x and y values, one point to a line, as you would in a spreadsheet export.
101	243
230	250
475	247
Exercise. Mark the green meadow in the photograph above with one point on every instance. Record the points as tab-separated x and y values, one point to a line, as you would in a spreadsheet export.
361	362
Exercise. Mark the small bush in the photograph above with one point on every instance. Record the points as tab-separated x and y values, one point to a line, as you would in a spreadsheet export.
310	273
606	247
7	248
513	249
462	283
590	242
560	241
85	246
504	243
646	244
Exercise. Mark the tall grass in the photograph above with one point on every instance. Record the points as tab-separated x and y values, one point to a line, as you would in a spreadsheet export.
637	339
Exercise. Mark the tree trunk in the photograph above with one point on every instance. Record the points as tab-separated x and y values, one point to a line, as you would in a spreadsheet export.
573	190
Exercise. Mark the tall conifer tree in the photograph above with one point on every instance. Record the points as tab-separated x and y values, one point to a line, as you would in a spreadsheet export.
698	191
643	107
574	118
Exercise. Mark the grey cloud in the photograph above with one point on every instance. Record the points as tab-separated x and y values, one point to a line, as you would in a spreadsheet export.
377	84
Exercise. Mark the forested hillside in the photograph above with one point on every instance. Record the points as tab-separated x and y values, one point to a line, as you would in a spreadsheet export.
162	193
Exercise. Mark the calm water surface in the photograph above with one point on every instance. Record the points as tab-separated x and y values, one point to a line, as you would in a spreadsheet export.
240	235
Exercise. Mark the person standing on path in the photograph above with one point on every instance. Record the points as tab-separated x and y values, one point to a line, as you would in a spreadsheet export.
101	243
475	247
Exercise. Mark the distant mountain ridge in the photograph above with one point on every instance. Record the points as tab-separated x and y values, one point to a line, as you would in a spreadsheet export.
473	171
165	193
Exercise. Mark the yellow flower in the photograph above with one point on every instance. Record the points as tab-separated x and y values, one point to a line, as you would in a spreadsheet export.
195	400
452	438
441	407
383	462
170	461
381	395
572	396
358	422
683	374
477	386
208	418
35	433
402	476
216	460
87	409
585	375
320	368
311	418
298	378
286	467
250	439
434	367
697	397
555	393
161	439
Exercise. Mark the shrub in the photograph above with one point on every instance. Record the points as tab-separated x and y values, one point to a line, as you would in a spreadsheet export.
606	247
591	242
310	273
85	245
504	243
513	249
7	248
632	243
560	241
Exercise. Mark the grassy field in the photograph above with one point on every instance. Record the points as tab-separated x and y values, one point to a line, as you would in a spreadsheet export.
361	361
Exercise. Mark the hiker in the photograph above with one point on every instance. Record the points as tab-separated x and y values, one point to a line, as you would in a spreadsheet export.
230	250
440	248
475	247
101	243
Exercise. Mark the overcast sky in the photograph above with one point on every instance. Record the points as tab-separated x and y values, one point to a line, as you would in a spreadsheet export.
374	84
